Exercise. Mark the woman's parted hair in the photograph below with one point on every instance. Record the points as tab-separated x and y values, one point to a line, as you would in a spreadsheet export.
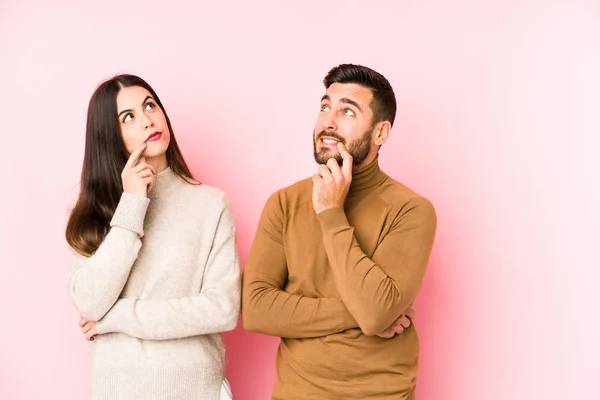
104	158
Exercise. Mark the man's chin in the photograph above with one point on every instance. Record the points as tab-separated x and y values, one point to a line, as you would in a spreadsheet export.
323	157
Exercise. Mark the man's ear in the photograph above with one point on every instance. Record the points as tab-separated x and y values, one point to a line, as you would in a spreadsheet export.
381	133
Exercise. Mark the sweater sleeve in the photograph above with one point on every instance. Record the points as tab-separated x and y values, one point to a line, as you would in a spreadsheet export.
215	308
376	290
266	307
96	282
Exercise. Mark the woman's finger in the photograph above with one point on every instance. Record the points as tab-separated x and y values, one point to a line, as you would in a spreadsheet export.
134	156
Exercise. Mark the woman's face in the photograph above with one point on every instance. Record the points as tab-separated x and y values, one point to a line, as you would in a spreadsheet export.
142	120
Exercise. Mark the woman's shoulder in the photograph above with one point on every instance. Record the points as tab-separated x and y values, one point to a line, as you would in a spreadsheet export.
207	194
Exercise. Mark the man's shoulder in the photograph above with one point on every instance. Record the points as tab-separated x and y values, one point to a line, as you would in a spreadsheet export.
399	196
291	197
302	188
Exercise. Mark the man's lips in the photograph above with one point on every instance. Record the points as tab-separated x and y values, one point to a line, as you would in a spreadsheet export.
329	141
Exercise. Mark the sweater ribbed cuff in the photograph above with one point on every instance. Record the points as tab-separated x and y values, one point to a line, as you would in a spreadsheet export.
130	213
333	218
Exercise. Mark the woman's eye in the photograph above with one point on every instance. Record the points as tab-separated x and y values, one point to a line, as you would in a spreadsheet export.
128	117
150	106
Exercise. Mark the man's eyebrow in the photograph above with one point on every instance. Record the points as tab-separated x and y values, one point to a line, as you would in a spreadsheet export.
344	100
349	101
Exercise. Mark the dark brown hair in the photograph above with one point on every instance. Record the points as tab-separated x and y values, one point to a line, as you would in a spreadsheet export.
103	161
384	100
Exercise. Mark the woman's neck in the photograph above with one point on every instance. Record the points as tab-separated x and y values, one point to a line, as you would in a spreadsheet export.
159	163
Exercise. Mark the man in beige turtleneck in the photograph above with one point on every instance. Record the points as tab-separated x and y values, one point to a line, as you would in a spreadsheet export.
339	258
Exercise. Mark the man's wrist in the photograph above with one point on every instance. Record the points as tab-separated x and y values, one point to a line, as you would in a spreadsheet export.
333	217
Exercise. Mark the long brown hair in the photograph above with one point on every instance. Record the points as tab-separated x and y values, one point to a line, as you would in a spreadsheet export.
103	161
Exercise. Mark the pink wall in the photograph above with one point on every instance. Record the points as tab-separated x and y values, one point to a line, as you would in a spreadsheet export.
498	124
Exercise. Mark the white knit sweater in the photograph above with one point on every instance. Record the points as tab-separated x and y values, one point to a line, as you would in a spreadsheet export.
163	285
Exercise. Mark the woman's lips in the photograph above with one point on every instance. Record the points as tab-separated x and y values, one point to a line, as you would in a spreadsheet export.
153	137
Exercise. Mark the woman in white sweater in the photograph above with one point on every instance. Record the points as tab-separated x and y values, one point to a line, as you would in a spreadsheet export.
155	273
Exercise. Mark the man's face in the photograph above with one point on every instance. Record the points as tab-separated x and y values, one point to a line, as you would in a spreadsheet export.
346	117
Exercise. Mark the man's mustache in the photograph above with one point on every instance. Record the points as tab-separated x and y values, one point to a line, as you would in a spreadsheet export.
332	135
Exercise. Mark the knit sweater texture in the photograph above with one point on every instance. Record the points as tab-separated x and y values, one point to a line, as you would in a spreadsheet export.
162	286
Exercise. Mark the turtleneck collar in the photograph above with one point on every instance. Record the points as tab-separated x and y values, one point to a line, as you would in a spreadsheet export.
165	181
366	176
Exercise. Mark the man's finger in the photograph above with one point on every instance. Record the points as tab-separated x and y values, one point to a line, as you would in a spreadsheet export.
404	322
399	329
411	312
324	172
347	163
386	334
334	167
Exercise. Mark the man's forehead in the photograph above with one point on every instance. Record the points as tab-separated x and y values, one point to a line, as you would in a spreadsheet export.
353	91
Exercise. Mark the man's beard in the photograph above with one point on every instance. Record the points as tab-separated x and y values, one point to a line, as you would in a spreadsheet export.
359	148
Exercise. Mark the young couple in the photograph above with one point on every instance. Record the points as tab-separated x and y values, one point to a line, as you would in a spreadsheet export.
335	265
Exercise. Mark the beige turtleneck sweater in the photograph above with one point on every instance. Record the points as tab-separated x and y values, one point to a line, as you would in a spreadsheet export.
163	285
328	283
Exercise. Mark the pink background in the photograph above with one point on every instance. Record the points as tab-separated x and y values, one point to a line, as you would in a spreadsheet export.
498	123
